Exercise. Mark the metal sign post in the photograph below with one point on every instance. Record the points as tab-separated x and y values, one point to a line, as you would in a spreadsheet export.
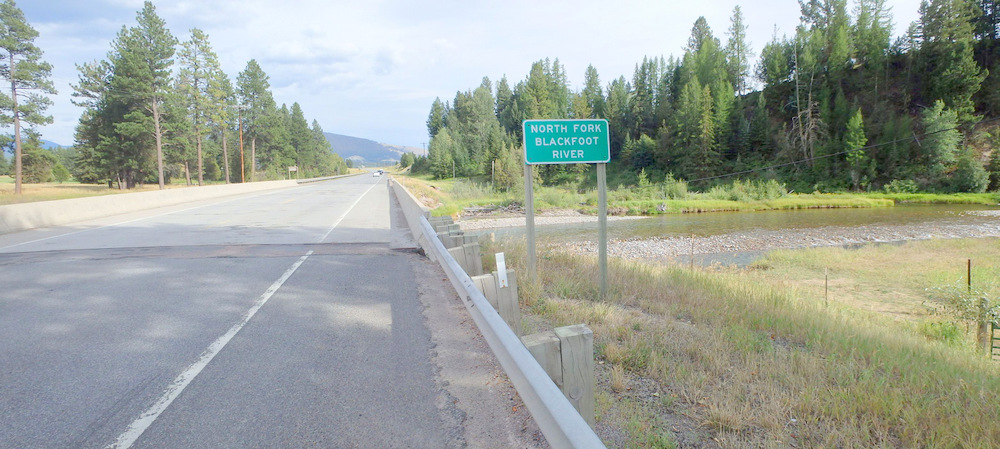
602	226
568	142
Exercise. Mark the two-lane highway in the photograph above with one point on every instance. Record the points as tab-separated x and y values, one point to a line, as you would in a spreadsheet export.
283	319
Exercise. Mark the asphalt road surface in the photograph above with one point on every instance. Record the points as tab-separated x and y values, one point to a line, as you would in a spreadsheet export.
283	319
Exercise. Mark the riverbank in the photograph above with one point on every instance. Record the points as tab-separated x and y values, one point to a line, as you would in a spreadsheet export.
752	240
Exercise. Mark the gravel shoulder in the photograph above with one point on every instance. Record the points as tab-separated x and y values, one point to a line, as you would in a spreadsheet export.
489	409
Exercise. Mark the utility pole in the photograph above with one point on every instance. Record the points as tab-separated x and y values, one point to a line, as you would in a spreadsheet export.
239	112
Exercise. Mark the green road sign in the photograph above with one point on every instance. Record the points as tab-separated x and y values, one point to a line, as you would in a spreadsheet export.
566	141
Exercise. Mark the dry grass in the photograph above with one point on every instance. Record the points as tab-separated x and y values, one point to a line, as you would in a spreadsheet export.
54	191
759	365
897	280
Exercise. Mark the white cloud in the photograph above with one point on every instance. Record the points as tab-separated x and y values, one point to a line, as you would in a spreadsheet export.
372	68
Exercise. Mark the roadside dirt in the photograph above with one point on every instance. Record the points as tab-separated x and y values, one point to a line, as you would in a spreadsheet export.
493	414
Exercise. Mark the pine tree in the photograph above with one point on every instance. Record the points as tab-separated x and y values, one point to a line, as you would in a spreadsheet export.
939	147
199	67
559	92
688	131
872	31
642	102
617	115
592	93
738	52
854	142
301	139
221	111
142	72
504	106
259	109
775	65
947	55
700	33
436	118
28	76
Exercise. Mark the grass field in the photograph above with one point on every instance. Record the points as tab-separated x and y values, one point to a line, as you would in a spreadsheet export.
757	359
898	280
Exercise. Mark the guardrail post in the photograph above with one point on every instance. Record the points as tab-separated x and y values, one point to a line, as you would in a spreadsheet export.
507	304
435	221
544	346
567	355
503	299
468	258
452	239
576	344
474	258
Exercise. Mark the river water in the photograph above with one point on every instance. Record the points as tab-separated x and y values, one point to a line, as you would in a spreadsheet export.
740	237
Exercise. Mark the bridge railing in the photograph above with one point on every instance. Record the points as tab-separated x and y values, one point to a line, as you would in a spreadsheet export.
558	420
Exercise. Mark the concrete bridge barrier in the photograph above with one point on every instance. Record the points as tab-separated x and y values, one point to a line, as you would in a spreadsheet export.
41	214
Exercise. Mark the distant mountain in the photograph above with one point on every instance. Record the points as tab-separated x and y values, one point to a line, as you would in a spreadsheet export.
50	145
367	152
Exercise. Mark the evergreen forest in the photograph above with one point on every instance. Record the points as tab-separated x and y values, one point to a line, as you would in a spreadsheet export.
157	110
840	105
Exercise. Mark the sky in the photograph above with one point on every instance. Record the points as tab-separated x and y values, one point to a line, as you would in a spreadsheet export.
372	68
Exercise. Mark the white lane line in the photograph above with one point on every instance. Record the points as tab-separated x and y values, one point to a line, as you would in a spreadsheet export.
349	209
126	439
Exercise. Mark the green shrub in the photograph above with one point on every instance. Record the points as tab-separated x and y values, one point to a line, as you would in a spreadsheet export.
946	332
748	191
464	189
901	186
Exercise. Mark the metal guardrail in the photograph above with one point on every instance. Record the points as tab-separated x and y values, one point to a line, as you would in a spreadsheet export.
558	420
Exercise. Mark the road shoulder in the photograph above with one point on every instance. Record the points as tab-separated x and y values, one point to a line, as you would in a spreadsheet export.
467	372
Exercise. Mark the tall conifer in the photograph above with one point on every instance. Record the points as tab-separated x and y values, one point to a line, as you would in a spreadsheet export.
28	75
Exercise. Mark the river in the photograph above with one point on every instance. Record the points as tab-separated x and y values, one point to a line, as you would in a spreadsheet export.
740	237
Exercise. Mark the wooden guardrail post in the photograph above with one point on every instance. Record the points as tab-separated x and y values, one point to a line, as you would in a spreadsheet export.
434	221
576	344
570	363
469	258
544	347
503	299
451	239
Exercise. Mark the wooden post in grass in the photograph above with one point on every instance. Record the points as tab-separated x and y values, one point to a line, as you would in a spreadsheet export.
567	355
468	257
691	254
544	346
576	344
503	298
